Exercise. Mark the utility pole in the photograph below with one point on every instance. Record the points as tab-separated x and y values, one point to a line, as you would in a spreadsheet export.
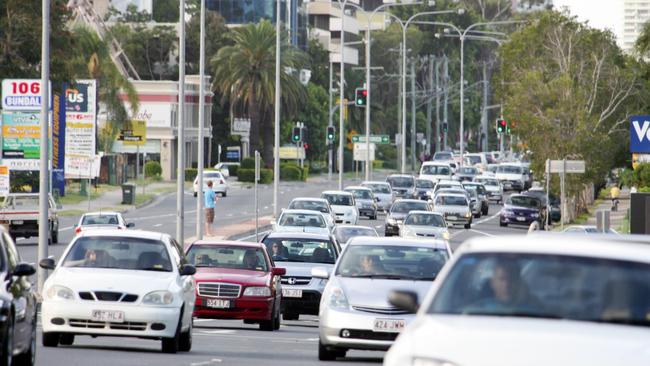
429	86
44	174
400	130
445	121
200	158
413	127
276	127
180	158
484	110
330	123
342	93
437	90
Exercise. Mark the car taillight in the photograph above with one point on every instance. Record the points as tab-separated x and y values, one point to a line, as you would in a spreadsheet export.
77	230
222	182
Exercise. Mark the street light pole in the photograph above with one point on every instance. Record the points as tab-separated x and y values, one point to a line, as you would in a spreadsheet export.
341	92
43	194
180	174
200	157
276	137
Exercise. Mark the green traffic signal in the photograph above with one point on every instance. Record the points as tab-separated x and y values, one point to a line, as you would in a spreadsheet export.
295	136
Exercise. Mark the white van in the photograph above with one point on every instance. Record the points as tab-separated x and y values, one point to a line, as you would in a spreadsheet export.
478	160
435	171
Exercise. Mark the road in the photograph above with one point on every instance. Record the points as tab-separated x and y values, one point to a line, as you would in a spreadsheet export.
224	342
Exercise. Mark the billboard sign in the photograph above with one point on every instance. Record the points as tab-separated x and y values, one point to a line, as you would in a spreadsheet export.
21	133
640	134
135	133
21	94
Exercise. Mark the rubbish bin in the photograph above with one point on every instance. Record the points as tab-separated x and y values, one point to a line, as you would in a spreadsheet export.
128	194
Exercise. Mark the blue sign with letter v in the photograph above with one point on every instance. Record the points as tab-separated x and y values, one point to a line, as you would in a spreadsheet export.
640	134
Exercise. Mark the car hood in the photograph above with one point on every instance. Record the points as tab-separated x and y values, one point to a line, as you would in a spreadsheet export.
94	279
374	292
417	229
301	269
501	341
396	216
520	209
242	276
451	209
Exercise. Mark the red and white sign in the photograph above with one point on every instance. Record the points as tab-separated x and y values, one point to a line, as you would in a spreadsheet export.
22	94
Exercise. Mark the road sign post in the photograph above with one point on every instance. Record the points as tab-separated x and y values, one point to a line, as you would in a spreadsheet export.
257	209
563	167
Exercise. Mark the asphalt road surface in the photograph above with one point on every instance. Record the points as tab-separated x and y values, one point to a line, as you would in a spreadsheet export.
224	342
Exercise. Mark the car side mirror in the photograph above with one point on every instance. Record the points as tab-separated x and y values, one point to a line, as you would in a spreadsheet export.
405	300
130	224
279	271
24	269
188	270
47	263
320	272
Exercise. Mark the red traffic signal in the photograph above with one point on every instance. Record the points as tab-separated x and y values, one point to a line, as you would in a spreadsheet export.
502	125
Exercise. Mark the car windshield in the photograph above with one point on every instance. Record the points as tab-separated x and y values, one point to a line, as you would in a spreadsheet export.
451	201
442	156
24	202
488	182
445	186
361	194
420	219
509	169
468	170
309	205
302	220
345	233
547	286
300	250
100	220
378	188
474	159
398	262
424	183
406	207
338	199
234	257
435	170
523	201
119	253
401	182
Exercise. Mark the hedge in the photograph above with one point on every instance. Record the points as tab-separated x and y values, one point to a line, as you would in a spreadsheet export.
190	174
248	175
232	170
290	172
377	164
249	163
152	169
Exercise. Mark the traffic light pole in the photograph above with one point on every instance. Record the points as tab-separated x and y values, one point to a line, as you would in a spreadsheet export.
330	144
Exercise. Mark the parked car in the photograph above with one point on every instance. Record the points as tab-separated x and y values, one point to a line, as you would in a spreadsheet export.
19	213
219	184
18	306
236	280
521	209
507	298
399	211
382	192
493	187
435	171
343	233
102	220
455	208
424	189
403	185
315	204
482	193
123	283
354	311
343	205
365	201
299	254
306	221
425	225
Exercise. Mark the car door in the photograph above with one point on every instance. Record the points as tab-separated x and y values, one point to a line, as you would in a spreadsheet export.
22	295
186	282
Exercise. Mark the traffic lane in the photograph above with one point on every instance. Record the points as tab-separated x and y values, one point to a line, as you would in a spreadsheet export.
215	342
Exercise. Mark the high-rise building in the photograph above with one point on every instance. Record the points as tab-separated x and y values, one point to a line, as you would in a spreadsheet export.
635	14
524	6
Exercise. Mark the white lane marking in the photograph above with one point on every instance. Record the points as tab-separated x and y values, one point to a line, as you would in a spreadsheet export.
266	207
218	331
378	226
481	232
262	233
66	228
212	361
157	225
487	219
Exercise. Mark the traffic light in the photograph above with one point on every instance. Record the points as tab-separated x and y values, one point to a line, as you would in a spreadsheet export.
296	135
361	96
445	127
502	126
330	134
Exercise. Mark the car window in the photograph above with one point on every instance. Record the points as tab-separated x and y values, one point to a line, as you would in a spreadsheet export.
541	285
305	220
119	253
346	233
395	262
361	194
468	170
435	170
509	169
442	156
309	205
378	188
424	183
523	201
420	219
451	201
233	257
338	199
100	220
301	250
474	159
406	207
401	182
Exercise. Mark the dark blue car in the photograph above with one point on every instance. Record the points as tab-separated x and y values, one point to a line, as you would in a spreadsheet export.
522	209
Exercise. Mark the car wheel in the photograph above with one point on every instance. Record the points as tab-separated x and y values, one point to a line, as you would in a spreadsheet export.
186	338
8	343
172	345
224	194
269	325
55	237
503	224
468	226
66	339
50	339
195	194
325	354
28	358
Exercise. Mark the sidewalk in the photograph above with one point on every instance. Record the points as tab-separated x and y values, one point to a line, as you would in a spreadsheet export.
616	218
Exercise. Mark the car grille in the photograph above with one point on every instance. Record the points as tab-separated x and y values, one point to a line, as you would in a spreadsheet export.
90	324
371	335
378	310
218	289
107	296
297	281
426	235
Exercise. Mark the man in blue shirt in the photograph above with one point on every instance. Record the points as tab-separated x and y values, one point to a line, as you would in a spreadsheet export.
210	199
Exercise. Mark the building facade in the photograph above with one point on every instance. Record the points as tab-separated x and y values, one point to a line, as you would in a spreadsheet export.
635	14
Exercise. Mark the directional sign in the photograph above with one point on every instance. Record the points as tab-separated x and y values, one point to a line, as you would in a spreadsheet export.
377	139
360	152
572	166
640	134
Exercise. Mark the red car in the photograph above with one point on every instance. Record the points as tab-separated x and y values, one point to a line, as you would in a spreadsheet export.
236	280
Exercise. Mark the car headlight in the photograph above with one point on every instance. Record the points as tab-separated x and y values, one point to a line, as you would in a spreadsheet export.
445	235
507	212
468	215
420	361
391	221
535	215
60	293
261	291
338	299
163	297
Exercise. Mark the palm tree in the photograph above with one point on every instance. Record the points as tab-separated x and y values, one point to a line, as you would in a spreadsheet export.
244	73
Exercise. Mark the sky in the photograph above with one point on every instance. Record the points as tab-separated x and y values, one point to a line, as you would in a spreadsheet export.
602	14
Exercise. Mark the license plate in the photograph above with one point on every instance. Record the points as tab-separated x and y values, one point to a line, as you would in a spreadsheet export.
452	218
17	222
108	316
289	292
389	325
521	218
217	303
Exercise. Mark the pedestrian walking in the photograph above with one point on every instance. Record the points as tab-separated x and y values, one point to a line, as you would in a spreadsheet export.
210	200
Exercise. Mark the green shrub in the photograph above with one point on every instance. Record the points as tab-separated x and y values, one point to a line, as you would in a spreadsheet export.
377	164
389	164
643	190
603	193
249	163
290	172
248	175
190	174
232	170
305	173
152	169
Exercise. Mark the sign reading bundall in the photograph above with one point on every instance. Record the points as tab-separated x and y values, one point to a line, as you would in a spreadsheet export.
21	94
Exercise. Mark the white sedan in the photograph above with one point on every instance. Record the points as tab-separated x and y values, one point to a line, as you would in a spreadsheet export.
219	184
120	283
102	220
307	221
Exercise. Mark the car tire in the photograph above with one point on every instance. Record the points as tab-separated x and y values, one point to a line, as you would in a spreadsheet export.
8	343
186	338
468	226
503	224
66	339
325	354
276	325
195	194
224	194
28	358
55	237
172	345
486	211
50	339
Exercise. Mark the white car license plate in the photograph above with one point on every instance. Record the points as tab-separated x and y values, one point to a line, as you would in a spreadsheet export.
389	325
17	222
289	292
217	303
452	218
108	316
520	218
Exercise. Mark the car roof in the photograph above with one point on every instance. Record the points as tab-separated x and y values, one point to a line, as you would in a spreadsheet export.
451	194
376	182
300	211
400	175
151	235
630	247
309	199
247	244
447	181
391	241
424	212
436	162
337	192
297	235
408	200
101	213
357	188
